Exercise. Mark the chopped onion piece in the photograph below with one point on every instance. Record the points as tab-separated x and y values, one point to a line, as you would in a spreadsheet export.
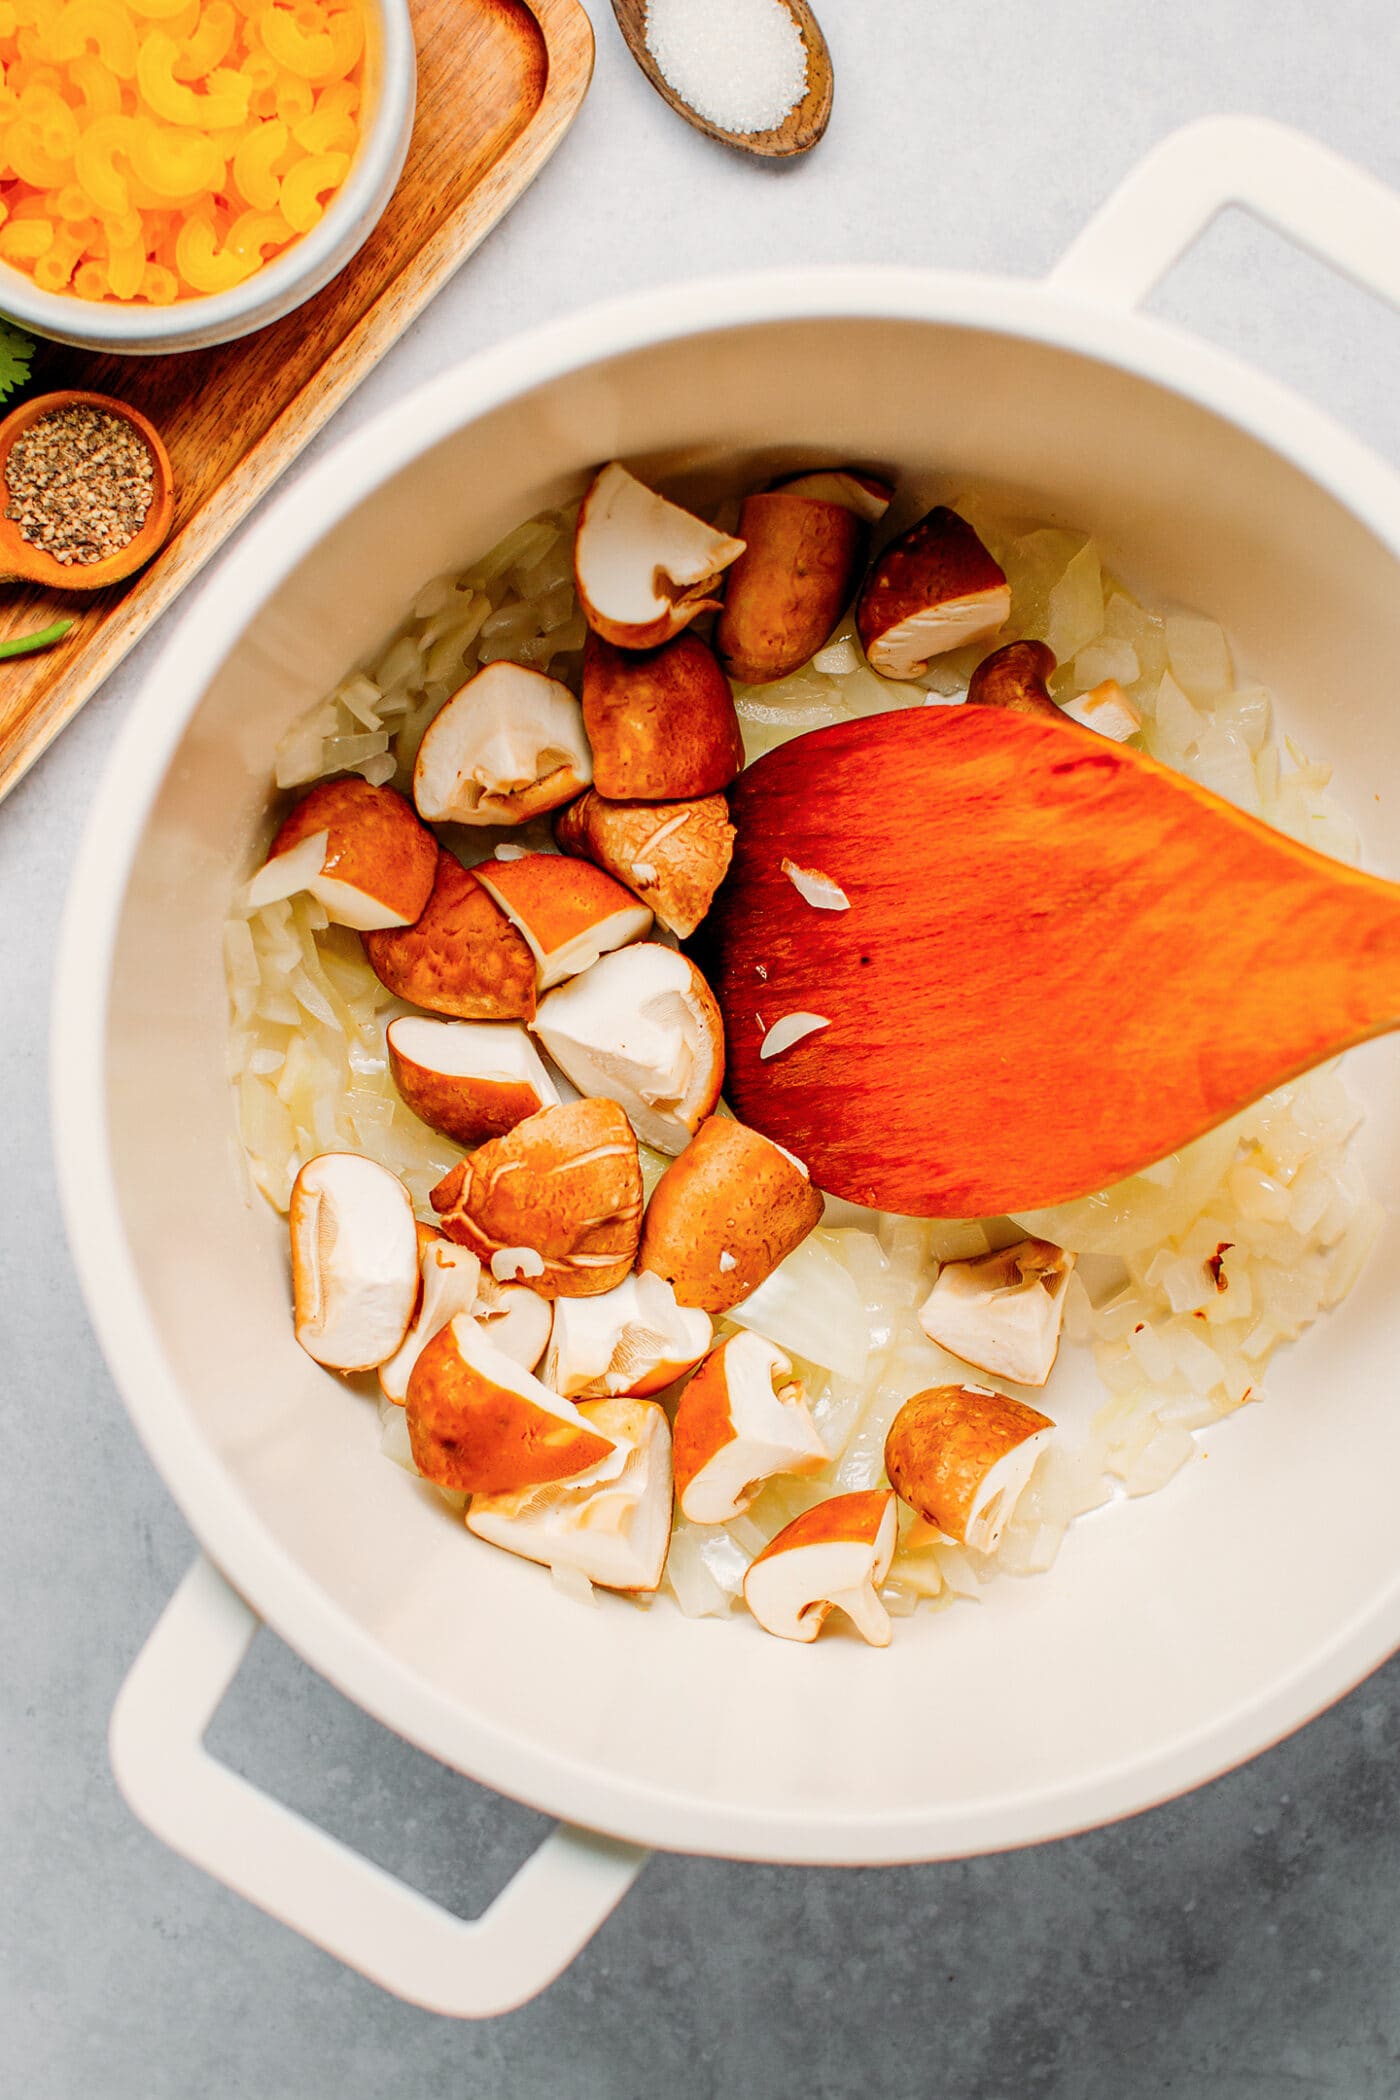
789	1030
810	1305
818	889
573	1583
837	659
393	1437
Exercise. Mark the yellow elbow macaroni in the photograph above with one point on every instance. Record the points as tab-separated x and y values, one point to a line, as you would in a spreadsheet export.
158	150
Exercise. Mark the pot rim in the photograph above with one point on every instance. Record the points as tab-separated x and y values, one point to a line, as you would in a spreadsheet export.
267	1575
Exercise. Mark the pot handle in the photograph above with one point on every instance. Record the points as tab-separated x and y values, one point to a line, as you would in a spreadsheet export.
402	1940
1302	189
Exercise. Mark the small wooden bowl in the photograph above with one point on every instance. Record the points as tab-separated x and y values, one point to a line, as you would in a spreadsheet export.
22	563
801	127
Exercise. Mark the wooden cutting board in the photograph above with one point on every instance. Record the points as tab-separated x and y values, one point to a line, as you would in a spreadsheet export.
499	82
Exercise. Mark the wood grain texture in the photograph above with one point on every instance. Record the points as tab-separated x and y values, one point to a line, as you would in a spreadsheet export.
499	83
1061	960
805	121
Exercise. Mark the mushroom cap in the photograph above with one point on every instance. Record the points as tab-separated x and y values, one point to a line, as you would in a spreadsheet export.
673	855
565	1183
462	956
661	721
933	589
741	1419
790	585
961	1455
1002	1312
515	1321
1016	678
508	746
359	849
866	494
355	1275
569	911
833	1557
450	1277
613	1526
643	567
478	1421
640	1028
1107	709
472	1080
634	1340
732	1193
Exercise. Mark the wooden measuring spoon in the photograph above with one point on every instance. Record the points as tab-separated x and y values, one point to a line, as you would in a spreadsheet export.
1061	960
22	563
805	121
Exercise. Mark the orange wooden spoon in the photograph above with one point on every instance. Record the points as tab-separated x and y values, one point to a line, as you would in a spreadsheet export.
1061	960
20	562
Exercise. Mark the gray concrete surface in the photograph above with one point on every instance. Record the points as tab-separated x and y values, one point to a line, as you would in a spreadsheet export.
1239	1945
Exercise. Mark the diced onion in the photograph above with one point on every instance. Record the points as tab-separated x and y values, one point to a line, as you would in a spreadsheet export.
1192	1272
572	1583
810	1306
818	889
789	1030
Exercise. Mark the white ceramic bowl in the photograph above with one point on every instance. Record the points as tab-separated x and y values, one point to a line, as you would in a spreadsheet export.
391	80
1176	1635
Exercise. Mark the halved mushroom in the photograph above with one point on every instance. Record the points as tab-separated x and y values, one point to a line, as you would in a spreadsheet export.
516	1321
644	567
450	1277
354	1261
673	855
742	1419
461	957
1002	1311
831	1558
790	585
865	494
725	1214
472	1080
661	721
508	746
634	1341
478	1421
569	911
961	1455
642	1028
1015	678
1107	709
358	849
564	1184
613	1526
933	589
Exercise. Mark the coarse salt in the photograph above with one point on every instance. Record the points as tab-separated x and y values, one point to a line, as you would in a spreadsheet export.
741	64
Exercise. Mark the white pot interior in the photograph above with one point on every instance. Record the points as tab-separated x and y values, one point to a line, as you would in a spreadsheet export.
1176	1633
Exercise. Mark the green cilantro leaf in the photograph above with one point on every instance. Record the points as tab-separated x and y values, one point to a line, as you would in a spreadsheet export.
16	349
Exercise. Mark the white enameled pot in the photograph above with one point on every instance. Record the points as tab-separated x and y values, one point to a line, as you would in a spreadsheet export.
1177	1635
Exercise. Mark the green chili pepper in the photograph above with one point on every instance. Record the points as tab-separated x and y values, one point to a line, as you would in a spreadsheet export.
26	644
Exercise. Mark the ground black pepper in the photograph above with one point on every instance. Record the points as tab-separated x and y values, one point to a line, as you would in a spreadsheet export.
80	482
